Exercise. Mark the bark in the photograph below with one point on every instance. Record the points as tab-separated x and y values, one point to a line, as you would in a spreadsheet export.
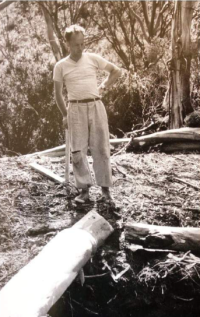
37	286
161	237
179	93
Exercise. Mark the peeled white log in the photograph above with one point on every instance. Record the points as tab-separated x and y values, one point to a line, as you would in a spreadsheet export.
174	238
173	135
60	150
37	286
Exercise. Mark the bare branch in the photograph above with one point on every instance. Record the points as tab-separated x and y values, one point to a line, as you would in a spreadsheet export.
145	13
153	13
50	33
133	14
160	15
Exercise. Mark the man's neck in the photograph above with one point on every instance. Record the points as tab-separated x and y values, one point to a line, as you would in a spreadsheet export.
75	58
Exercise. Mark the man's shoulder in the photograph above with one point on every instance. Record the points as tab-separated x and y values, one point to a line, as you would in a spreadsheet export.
62	61
92	55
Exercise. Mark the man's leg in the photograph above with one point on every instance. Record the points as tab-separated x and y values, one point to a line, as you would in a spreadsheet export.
78	132
100	147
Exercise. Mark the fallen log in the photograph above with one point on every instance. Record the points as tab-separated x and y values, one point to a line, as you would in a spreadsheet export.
169	136
174	238
37	286
60	150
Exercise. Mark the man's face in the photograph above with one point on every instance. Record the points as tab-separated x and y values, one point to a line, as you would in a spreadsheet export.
76	44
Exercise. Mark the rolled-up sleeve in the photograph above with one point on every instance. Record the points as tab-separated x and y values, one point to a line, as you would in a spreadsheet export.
57	73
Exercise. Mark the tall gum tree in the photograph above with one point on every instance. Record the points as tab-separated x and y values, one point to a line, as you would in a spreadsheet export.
179	64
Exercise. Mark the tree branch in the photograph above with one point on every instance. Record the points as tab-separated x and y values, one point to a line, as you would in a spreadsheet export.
160	15
50	33
145	13
133	14
151	28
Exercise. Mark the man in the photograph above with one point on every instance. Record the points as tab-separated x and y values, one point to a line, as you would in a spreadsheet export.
85	116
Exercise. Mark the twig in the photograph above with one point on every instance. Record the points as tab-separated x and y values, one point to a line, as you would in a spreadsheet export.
120	151
119	169
93	312
184	182
150	126
184	299
97	275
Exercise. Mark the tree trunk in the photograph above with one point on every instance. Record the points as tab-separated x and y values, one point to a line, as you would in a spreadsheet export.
161	237
51	35
179	93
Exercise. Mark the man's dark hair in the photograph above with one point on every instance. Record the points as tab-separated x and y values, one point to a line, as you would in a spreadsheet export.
73	29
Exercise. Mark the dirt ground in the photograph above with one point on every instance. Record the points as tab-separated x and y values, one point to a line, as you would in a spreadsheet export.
152	188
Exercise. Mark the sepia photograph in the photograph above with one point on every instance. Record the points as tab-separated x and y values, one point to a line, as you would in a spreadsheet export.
99	158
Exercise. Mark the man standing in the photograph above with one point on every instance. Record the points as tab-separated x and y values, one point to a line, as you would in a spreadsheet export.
85	116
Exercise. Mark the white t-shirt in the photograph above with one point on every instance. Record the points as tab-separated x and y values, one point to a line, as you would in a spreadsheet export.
80	77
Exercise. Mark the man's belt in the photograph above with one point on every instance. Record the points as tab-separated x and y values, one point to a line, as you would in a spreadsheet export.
84	100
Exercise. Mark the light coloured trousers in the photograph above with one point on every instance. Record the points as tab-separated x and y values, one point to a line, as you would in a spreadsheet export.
88	127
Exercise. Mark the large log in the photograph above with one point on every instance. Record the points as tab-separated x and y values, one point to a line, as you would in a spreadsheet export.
174	238
60	150
37	286
174	135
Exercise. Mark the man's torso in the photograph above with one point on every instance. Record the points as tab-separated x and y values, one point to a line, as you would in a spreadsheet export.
80	77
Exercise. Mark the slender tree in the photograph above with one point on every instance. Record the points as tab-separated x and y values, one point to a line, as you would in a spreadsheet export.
179	90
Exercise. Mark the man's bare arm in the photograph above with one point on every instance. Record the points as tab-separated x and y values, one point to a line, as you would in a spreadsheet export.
114	74
58	88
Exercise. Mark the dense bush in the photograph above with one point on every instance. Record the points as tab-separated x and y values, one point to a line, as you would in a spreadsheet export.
135	99
29	118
